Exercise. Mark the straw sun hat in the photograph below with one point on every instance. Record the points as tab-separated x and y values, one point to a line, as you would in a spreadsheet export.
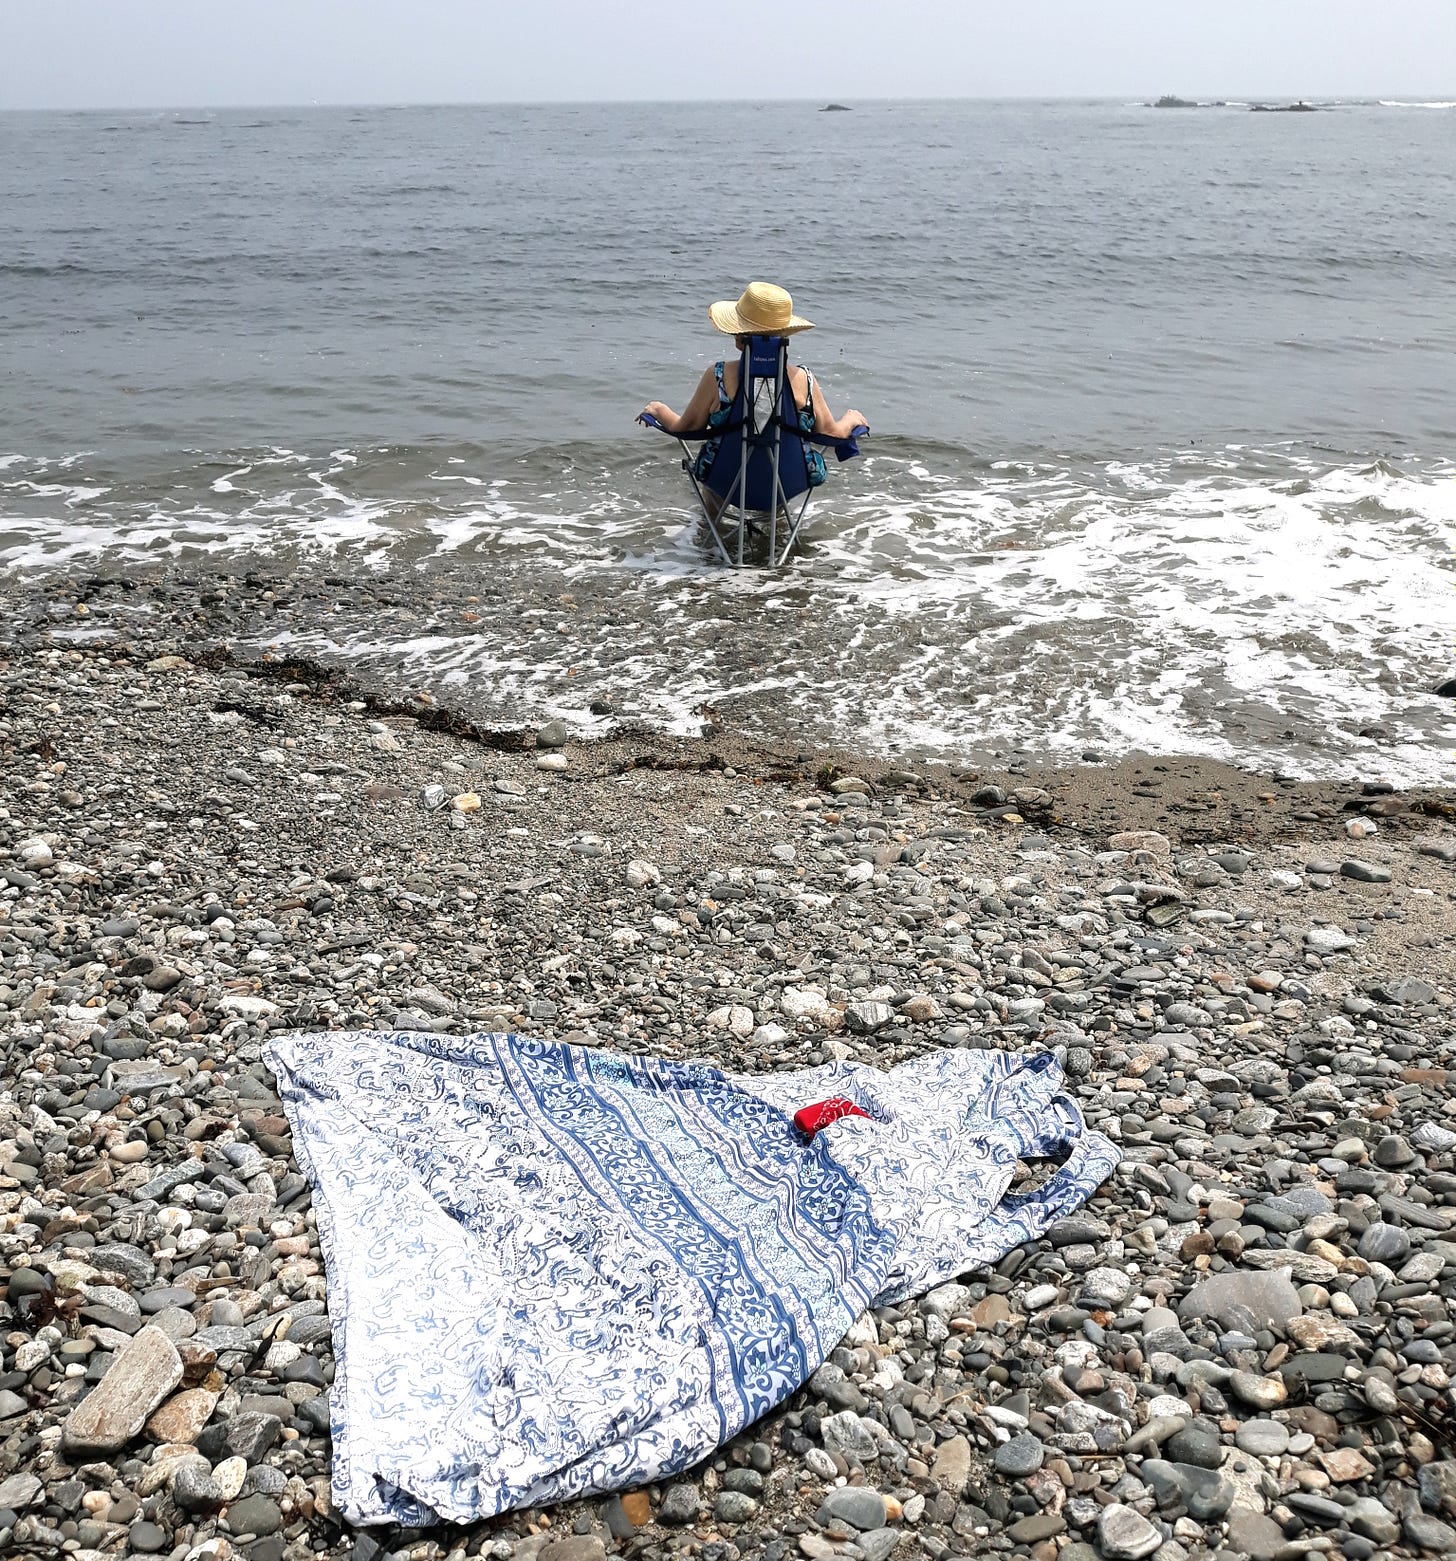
762	310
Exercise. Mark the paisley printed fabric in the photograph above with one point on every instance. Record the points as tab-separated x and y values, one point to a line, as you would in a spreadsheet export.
554	1270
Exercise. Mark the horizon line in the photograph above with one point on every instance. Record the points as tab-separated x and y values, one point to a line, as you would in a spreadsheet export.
646	102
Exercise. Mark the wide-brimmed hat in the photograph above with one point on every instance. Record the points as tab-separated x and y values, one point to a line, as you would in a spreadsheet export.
762	310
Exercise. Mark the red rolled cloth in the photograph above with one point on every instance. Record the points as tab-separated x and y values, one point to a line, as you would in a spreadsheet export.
811	1118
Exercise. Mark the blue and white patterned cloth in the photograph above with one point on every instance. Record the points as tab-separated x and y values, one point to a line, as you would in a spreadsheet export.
554	1270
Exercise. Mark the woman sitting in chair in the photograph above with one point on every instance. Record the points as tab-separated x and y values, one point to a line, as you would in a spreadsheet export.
761	310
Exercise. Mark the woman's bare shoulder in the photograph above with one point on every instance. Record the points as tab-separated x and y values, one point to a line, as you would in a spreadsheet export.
798	375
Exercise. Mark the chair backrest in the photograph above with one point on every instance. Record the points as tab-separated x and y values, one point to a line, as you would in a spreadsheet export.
761	462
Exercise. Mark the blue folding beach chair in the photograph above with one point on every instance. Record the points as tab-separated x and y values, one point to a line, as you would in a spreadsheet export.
762	463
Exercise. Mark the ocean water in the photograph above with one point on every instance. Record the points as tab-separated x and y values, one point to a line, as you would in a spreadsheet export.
1163	408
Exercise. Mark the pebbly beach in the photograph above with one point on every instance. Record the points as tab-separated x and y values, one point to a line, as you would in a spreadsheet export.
1242	1345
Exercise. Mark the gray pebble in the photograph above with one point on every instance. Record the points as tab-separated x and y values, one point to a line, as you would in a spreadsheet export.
857	1505
148	1538
255	1515
1022	1455
734	1507
1262	1438
1383	1243
679	1505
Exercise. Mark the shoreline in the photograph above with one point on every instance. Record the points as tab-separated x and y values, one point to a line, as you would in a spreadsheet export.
626	658
1192	798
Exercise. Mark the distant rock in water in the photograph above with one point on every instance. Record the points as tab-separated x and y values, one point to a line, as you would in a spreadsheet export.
1284	108
1446	690
835	108
1167	101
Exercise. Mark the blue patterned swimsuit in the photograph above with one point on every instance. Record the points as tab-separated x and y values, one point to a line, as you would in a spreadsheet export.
813	460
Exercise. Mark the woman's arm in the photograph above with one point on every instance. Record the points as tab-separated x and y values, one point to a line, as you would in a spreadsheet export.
695	414
833	427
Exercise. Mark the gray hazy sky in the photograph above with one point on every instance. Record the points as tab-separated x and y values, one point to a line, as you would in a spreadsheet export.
194	53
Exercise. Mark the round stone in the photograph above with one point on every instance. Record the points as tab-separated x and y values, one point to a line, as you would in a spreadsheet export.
1021	1456
1262	1438
734	1507
1328	940
148	1538
264	1480
1196	1442
1126	1535
1383	1243
847	1435
193	1487
255	1515
155	1301
1380	1395
857	1505
817	1461
1256	1391
1250	1533
229	1476
26	1281
877	1545
1109	1286
679	1506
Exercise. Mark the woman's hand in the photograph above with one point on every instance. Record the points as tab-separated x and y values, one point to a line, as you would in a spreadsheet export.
660	410
844	427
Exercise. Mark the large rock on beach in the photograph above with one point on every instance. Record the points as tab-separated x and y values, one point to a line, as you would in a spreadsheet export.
116	1409
1269	1298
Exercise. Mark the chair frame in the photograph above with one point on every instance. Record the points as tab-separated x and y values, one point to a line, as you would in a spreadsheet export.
760	428
763	377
